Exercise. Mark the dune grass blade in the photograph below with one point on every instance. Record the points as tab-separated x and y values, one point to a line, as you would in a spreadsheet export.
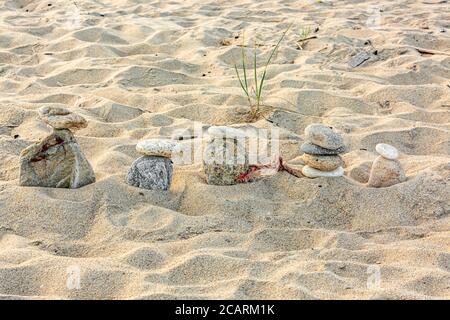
268	62
240	81
258	84
243	65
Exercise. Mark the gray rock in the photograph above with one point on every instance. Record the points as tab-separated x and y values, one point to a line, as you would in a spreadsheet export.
57	162
224	161
150	172
311	148
323	136
359	59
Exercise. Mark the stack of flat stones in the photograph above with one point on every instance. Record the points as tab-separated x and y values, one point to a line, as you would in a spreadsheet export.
153	170
321	152
225	157
57	161
386	169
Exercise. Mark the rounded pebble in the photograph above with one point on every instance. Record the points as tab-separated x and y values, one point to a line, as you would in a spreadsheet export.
386	173
323	163
387	151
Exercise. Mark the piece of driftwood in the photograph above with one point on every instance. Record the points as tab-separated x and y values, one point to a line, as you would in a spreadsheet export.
300	41
359	59
430	51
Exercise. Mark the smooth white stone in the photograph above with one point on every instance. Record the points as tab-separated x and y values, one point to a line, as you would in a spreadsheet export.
314	173
158	147
387	151
225	132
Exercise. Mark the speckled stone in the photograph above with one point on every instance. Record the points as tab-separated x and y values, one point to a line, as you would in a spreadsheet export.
386	173
323	163
56	162
314	173
152	173
387	151
323	136
311	148
224	161
61	118
158	147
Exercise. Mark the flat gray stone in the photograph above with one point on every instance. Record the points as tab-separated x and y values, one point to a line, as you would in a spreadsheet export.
150	172
359	59
311	148
323	136
57	162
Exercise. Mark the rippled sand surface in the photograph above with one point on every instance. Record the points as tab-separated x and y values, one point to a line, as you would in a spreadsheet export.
145	69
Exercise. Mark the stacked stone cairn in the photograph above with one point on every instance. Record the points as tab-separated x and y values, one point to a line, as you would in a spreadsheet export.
321	152
57	160
386	169
153	170
225	157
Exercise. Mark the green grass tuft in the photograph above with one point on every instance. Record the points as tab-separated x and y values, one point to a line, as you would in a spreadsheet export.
254	94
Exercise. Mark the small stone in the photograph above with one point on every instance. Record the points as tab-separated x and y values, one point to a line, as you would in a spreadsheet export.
225	132
311	148
224	161
314	173
61	118
150	172
158	147
387	151
385	173
323	136
323	163
359	59
57	162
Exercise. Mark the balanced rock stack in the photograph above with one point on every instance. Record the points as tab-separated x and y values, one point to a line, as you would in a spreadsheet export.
321	152
153	171
225	157
386	169
56	161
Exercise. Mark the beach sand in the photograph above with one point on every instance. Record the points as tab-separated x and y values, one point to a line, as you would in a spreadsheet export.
146	69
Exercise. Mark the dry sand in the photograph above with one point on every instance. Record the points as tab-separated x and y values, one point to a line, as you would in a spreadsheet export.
143	69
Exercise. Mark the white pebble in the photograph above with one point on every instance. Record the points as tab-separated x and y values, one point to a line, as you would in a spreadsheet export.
387	151
314	173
